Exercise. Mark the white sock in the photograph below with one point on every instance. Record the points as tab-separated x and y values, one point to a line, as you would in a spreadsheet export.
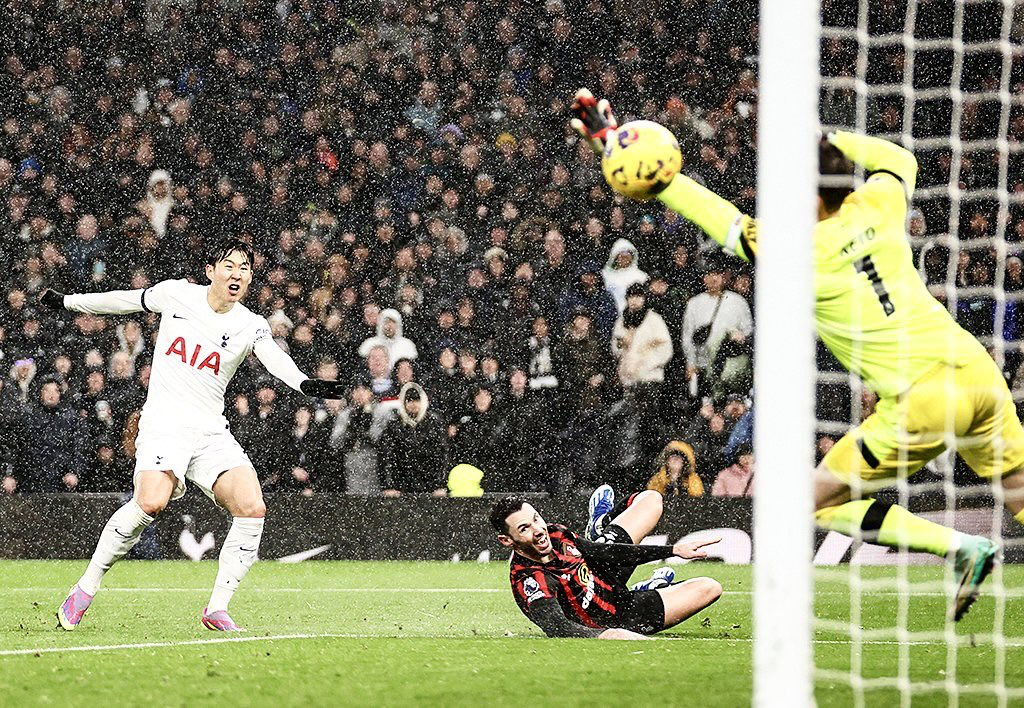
119	536
237	555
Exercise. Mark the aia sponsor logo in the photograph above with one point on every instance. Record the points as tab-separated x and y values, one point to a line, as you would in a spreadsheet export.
195	359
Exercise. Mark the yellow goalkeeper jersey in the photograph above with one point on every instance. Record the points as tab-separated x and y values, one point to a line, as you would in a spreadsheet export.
873	311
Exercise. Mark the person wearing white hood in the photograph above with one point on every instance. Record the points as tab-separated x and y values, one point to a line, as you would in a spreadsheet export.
621	271
389	336
158	202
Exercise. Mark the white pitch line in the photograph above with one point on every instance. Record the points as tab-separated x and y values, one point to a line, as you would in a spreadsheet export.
259	589
339	635
892	593
157	645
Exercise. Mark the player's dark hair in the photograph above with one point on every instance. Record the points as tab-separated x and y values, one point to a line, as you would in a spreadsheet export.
836	172
502	509
225	247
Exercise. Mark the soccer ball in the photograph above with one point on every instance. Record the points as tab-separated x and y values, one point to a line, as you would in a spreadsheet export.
640	159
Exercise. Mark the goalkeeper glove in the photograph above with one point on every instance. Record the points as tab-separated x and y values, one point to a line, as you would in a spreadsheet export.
52	299
322	388
594	119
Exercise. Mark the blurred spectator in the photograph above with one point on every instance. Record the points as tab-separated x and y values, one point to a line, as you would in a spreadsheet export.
589	294
676	472
108	471
716	329
389	336
356	431
584	366
621	271
377	375
524	432
306	455
708	434
476	439
56	449
157	204
642	344
413	447
737	480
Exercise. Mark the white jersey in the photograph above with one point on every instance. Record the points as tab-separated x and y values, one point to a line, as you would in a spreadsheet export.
197	351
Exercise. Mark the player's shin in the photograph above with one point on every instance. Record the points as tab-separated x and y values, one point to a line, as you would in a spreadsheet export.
236	557
119	536
888	525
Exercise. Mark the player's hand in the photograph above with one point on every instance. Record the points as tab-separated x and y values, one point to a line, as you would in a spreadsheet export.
52	299
619	633
593	119
322	388
692	549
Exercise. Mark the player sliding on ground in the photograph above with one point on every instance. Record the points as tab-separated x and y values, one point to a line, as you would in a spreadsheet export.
934	381
571	586
205	334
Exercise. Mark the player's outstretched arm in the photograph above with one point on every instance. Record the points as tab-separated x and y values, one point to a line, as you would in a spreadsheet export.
283	367
878	155
114	302
547	614
719	218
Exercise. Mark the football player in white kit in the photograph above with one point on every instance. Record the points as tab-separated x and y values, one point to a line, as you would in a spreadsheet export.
205	334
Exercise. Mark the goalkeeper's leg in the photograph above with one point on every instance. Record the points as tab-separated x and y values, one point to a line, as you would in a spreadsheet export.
877	521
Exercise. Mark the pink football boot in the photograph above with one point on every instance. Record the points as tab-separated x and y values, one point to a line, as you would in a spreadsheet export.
220	621
71	612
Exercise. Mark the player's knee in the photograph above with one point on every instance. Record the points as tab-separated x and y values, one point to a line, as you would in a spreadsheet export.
251	509
151	504
710	589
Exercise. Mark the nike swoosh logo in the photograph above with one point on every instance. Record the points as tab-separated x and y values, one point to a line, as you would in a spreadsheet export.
178	317
302	555
246	550
122	535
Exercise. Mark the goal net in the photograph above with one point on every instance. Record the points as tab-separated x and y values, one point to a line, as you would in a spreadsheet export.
943	79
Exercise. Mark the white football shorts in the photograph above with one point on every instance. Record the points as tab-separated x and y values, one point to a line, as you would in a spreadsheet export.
197	456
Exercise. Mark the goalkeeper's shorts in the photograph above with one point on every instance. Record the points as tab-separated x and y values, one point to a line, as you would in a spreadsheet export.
966	406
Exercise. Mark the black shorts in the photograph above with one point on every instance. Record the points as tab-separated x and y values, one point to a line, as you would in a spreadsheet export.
616	575
642	611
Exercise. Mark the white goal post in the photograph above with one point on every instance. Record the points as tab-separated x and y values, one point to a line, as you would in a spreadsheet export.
784	370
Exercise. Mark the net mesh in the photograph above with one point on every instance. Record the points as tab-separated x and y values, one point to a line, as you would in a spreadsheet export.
943	79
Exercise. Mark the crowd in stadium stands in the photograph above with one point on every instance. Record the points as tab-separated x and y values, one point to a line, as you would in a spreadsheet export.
427	229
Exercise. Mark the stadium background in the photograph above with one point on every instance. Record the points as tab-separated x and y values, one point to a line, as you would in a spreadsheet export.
414	156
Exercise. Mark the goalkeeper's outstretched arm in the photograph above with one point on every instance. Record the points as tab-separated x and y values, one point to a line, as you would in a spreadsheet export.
719	218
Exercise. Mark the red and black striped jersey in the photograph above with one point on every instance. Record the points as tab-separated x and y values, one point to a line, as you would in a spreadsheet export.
590	600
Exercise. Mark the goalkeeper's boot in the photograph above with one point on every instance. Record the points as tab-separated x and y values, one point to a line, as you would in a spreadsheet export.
220	621
71	612
601	502
971	565
661	578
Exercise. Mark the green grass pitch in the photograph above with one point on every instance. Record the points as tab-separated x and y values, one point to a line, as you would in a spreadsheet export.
352	633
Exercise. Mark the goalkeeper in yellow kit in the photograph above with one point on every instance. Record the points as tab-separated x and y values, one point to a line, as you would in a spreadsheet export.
935	382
